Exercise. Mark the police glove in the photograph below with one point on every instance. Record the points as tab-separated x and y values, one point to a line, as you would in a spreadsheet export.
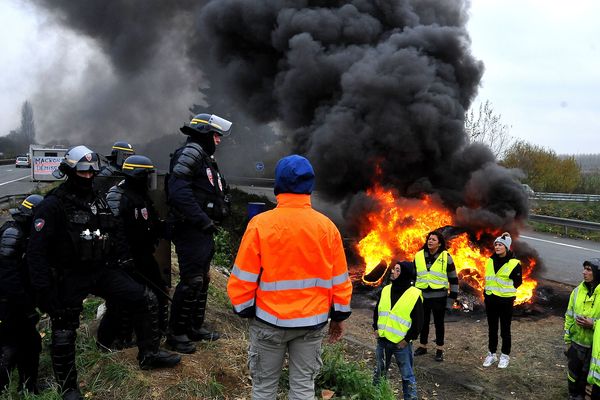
209	228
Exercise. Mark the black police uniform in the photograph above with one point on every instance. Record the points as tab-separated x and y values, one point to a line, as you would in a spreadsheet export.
20	342
197	201
138	231
108	176
67	255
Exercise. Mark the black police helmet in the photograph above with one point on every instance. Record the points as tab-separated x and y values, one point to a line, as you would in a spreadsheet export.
120	151
137	167
27	206
207	124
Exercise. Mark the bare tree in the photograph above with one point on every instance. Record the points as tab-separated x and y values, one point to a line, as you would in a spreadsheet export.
484	126
27	125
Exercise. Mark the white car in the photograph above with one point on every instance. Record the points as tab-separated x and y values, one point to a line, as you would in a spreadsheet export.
22	162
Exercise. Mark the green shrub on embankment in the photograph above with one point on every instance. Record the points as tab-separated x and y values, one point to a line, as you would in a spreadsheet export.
583	211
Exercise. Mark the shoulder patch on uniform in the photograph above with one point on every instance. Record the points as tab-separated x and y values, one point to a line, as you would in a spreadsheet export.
38	224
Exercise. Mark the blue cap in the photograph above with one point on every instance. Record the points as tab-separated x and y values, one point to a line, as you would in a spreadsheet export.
294	174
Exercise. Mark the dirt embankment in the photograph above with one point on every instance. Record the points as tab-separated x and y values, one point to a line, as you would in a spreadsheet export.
537	367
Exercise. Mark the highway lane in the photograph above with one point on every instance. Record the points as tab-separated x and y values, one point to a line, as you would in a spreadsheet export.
562	257
15	180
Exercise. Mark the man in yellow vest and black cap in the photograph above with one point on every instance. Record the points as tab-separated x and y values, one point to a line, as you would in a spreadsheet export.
397	320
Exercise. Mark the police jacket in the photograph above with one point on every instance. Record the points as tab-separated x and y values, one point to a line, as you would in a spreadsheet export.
14	280
137	225
290	270
72	230
195	187
584	301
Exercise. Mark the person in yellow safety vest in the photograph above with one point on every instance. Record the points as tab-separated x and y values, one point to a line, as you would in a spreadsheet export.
291	277
397	320
435	275
581	313
503	275
593	377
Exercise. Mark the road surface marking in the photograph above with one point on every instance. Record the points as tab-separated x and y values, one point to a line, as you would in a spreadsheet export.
560	244
14	180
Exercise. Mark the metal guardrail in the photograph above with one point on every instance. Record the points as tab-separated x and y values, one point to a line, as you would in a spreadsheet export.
566	222
565	197
12	200
242	180
7	161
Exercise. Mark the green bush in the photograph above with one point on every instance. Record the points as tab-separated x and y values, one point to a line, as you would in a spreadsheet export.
349	379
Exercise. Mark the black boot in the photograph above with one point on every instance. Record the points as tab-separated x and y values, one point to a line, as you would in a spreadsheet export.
203	334
163	313
196	331
185	302
72	394
148	338
63	362
158	359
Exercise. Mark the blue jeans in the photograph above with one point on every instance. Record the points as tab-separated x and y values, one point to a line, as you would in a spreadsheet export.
404	359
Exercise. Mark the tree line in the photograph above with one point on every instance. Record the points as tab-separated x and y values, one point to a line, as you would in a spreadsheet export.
18	140
544	170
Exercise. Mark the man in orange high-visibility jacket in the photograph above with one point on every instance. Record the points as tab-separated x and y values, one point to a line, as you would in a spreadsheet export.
290	276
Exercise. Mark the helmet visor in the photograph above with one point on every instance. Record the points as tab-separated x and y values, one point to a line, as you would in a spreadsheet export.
89	162
221	124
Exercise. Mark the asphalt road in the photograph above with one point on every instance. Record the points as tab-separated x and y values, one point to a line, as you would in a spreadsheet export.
15	180
562	258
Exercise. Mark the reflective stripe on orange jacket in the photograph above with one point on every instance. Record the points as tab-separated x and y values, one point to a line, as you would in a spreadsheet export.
291	268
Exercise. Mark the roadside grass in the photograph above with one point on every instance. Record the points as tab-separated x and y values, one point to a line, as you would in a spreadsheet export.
583	211
218	370
349	379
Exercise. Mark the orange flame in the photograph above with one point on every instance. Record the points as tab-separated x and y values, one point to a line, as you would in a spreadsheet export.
398	228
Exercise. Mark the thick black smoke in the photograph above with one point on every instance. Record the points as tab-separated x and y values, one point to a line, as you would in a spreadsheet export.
370	91
137	84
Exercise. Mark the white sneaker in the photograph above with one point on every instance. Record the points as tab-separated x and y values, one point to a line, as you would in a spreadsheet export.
490	359
504	359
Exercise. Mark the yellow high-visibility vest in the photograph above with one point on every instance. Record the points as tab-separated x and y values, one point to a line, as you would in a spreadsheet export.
499	283
437	276
394	322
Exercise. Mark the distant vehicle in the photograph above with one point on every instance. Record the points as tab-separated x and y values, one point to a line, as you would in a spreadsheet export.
528	190
22	161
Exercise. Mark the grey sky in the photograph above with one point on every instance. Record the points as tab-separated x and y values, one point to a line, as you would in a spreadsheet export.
542	66
542	71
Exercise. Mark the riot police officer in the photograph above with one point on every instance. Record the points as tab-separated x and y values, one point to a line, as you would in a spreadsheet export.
110	174
138	230
20	342
69	246
197	202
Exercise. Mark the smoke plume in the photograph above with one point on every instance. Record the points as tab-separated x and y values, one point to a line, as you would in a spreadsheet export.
368	90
